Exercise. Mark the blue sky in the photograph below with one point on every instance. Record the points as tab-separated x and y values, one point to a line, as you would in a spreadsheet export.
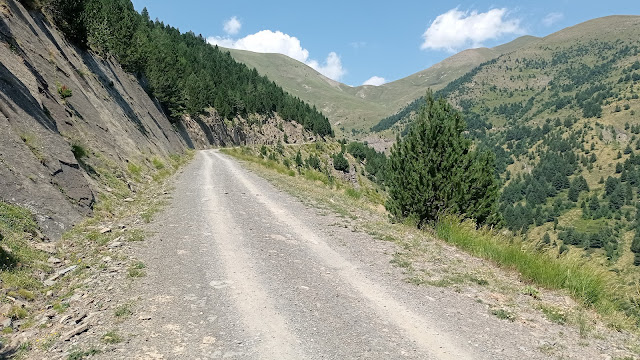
374	41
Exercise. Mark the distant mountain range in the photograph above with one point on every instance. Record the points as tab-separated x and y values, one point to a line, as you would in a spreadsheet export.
361	107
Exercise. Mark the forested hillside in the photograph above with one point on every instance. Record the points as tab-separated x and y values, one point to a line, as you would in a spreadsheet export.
185	73
563	117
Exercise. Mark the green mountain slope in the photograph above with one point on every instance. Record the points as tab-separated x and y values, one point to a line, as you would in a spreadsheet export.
358	108
562	115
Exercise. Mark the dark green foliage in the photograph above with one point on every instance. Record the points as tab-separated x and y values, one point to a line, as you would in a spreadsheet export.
79	152
64	92
627	150
610	185
358	150
578	185
635	247
340	163
375	162
432	170
314	162
68	15
604	237
298	159
280	148
182	71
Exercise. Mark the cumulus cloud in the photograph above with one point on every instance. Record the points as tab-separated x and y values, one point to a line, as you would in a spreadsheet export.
232	26
456	29
375	81
267	41
332	67
552	18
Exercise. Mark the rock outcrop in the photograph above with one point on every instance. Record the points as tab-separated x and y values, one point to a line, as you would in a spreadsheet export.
106	113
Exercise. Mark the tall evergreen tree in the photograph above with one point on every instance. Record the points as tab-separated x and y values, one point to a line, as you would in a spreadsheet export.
635	248
181	70
433	171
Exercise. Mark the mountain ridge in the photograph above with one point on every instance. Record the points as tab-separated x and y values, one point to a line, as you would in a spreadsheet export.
562	117
361	106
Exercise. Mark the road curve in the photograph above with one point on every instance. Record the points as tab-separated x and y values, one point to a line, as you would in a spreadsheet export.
240	270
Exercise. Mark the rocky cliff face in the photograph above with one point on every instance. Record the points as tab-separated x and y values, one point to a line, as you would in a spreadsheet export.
211	130
45	130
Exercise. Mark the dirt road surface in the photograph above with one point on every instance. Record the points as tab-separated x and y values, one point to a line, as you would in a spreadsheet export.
237	269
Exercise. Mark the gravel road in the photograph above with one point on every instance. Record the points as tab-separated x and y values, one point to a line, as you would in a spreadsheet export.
237	269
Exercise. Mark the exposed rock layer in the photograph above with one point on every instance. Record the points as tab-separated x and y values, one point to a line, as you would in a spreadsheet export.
109	115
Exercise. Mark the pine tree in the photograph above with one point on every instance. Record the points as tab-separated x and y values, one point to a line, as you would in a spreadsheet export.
433	171
635	248
340	163
298	159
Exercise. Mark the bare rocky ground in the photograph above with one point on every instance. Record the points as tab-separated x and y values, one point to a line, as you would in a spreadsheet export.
235	268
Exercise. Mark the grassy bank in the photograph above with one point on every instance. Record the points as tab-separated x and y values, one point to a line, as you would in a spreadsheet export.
588	284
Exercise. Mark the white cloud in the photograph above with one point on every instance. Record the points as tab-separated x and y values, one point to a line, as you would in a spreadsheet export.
232	26
456	29
552	18
332	67
375	81
267	41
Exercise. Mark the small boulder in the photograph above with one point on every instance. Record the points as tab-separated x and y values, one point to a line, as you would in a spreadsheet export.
5	322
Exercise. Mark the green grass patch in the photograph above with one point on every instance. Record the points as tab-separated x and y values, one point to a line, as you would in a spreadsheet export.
16	219
157	163
134	170
268	163
504	314
400	261
353	193
18	258
17	313
553	314
112	337
123	311
136	235
61	306
313	175
136	270
23	293
586	283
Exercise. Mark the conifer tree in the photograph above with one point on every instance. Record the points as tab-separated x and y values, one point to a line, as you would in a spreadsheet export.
340	163
433	171
635	248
